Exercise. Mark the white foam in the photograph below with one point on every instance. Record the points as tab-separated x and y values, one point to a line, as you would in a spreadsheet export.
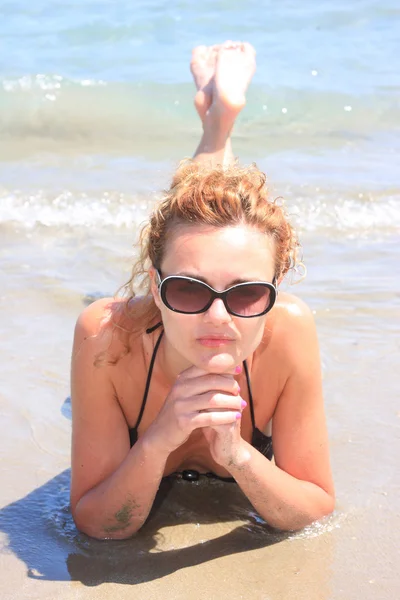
347	215
42	81
66	209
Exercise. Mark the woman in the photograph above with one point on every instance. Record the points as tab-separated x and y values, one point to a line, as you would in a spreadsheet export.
188	378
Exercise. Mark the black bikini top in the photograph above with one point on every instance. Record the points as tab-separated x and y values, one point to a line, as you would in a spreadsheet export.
259	441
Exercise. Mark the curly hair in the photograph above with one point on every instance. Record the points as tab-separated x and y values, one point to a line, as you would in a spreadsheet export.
216	197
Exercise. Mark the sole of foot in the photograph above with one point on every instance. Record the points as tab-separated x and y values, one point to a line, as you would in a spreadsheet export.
234	69
202	66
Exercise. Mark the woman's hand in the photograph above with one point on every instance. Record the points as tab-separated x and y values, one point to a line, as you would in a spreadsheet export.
198	399
226	443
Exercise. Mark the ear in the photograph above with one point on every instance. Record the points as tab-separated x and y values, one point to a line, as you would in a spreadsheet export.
154	286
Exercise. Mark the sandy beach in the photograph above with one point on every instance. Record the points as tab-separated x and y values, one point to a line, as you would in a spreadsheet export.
203	539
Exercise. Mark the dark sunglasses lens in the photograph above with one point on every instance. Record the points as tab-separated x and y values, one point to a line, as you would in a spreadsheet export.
185	295
249	300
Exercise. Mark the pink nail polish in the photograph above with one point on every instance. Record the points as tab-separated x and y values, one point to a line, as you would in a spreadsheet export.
238	415
238	369
244	403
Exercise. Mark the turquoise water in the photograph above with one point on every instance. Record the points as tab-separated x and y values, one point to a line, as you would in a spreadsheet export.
96	98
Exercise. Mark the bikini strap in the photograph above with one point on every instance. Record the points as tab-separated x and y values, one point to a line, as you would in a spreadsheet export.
150	371
156	326
246	370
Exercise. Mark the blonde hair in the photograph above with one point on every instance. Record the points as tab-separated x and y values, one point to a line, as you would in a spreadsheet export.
217	197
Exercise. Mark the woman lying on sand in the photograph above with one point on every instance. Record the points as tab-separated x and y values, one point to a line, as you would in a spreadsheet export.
187	379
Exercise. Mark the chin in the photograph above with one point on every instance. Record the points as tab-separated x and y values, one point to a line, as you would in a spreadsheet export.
218	363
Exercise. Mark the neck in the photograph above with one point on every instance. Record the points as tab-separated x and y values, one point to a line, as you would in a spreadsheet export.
172	363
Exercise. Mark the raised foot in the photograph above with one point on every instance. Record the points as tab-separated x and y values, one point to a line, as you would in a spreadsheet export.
235	67
202	67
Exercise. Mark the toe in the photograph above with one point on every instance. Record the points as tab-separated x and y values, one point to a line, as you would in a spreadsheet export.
198	51
248	48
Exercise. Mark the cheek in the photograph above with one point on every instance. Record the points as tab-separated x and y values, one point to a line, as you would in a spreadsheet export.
252	334
178	327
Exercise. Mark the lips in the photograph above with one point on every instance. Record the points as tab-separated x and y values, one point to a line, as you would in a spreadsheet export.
216	336
215	340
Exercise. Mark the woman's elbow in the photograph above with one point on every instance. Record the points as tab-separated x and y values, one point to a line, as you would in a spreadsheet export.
104	533
295	520
323	508
330	504
99	531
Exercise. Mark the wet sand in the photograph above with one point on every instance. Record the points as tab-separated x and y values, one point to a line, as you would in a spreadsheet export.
203	540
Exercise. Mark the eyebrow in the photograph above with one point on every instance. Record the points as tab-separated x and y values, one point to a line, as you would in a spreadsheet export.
200	278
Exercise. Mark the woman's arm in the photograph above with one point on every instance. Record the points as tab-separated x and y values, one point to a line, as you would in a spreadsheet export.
113	486
298	488
283	500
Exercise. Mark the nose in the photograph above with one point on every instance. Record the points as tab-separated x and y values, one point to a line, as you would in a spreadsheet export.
217	313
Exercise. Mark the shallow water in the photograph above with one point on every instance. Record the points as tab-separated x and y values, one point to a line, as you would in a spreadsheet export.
95	112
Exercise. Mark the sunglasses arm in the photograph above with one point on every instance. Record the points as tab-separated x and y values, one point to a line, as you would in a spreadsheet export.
159	282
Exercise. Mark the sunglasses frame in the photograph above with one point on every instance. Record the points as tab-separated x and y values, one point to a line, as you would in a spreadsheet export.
215	294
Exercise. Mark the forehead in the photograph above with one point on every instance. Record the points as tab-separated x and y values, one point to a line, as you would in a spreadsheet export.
211	252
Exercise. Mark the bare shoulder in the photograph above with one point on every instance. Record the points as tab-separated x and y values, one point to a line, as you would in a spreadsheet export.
102	329
98	322
291	311
97	315
291	328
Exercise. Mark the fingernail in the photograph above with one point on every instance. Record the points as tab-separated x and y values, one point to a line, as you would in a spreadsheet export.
244	403
238	415
238	369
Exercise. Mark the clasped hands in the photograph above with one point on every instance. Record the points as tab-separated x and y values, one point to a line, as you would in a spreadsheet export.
207	401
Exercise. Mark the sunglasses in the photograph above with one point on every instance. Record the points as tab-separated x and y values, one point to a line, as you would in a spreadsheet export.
190	296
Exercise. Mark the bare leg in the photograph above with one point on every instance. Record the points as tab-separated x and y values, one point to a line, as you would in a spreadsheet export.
224	95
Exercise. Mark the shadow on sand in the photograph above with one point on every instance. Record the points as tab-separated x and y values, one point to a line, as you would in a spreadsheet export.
41	533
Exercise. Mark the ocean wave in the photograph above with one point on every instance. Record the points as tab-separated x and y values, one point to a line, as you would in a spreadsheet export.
362	214
351	215
72	210
50	107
